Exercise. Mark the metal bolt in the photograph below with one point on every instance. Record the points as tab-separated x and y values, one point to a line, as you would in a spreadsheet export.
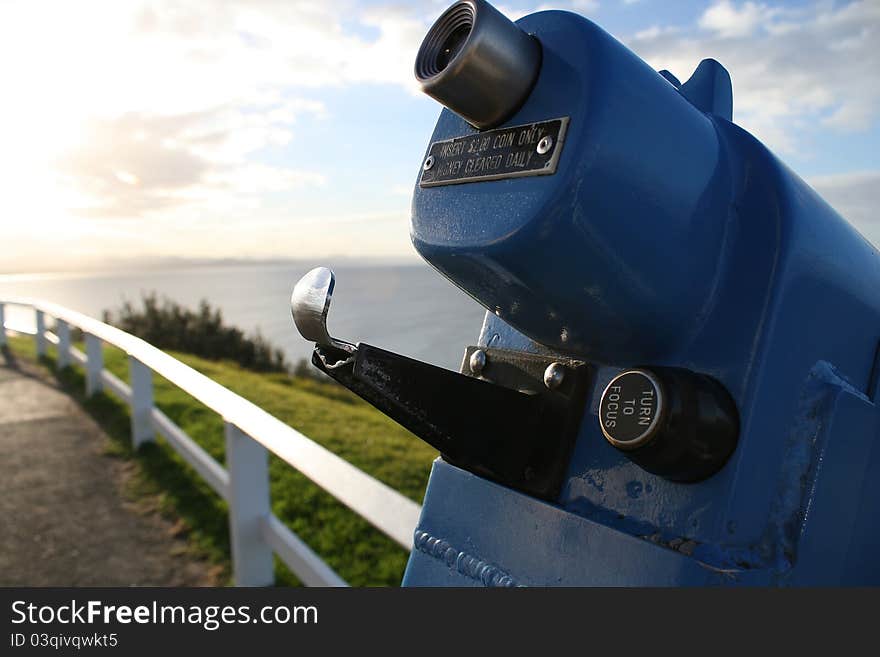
477	362
428	163
553	375
545	145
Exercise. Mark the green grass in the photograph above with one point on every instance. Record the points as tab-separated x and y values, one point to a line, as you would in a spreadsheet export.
326	413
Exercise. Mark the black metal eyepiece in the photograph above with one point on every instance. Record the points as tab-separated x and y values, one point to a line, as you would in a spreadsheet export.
445	40
478	63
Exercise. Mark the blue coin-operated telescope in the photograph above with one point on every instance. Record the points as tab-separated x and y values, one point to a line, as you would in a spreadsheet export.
676	382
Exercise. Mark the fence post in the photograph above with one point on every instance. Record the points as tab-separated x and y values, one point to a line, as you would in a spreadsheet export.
2	325
94	365
62	329
141	379
248	465
40	335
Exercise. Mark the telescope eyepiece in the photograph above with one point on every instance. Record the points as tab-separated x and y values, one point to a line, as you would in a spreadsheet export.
444	41
478	63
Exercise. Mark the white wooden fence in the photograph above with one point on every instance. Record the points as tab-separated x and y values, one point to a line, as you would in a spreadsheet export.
251	433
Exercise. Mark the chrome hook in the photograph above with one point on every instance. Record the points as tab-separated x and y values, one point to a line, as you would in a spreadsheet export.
309	305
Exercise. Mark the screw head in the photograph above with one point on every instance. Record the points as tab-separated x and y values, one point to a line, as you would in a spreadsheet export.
429	162
554	375
477	362
544	145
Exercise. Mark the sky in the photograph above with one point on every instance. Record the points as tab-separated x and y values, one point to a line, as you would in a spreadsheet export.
295	129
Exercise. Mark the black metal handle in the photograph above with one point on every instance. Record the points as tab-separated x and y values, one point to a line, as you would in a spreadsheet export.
522	439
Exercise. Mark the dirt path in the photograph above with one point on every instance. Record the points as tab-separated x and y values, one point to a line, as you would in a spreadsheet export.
63	518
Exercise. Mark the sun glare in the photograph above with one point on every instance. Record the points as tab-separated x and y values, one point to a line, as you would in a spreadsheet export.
49	80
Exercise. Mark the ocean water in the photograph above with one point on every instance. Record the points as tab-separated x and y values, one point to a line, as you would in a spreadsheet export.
410	309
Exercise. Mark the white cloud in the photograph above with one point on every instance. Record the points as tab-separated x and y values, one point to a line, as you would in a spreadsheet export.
145	106
137	164
792	69
730	20
854	195
654	32
579	6
585	6
851	117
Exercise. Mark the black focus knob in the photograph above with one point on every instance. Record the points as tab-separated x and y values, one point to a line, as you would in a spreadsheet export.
672	422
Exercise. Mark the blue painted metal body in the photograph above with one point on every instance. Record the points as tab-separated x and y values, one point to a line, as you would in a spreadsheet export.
667	236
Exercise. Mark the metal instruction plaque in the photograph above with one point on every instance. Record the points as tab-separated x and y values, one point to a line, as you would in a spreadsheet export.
523	150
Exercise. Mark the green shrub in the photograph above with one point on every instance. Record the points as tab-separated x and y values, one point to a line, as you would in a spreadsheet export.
168	325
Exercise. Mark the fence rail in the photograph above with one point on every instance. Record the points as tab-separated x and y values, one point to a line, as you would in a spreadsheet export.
251	433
